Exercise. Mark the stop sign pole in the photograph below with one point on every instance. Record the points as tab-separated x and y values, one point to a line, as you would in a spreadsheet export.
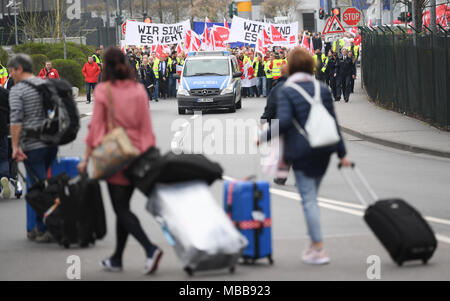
351	16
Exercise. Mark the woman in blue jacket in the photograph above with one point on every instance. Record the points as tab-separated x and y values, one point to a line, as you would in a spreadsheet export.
309	164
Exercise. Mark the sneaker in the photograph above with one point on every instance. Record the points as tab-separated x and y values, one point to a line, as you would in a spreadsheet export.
45	238
110	265
280	181
6	191
33	234
313	256
88	102
151	264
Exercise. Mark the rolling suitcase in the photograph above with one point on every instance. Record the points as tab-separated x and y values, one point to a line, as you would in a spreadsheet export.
248	206
399	227
195	225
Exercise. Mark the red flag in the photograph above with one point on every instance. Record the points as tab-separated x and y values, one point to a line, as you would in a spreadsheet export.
188	39
292	39
276	35
225	23
159	51
218	41
223	32
179	49
266	38
357	40
207	20
305	41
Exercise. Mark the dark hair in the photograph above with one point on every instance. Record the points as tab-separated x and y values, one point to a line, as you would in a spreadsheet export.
21	60
300	61
115	66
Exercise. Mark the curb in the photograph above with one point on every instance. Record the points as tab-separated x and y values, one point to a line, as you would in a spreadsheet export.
396	145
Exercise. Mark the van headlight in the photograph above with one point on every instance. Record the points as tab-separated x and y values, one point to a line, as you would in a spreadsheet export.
182	91
228	90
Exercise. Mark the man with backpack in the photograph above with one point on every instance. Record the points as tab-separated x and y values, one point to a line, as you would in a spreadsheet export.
26	107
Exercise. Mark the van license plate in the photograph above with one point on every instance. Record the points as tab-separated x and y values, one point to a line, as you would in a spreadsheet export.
205	100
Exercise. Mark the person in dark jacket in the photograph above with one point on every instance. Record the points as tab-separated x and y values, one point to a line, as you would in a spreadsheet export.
270	111
346	72
309	165
147	76
333	70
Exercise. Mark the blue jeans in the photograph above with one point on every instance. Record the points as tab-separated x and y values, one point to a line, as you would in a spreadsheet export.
308	188
156	89
4	159
88	90
39	161
262	85
172	86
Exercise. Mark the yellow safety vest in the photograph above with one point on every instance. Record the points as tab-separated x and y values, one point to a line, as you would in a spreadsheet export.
276	69
341	44
267	69
315	60
169	63
180	61
324	68
156	68
355	50
96	59
3	71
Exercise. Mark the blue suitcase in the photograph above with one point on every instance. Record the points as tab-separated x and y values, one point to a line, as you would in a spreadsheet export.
64	164
248	205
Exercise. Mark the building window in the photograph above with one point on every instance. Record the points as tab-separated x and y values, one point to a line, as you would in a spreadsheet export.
308	22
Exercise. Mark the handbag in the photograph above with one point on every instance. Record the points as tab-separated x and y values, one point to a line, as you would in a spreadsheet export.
115	151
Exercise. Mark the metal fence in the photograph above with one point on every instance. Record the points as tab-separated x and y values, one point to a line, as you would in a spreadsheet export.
408	73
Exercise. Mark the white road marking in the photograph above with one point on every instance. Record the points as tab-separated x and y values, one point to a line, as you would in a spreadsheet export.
340	206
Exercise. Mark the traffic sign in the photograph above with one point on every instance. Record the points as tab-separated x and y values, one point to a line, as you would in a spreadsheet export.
333	26
351	16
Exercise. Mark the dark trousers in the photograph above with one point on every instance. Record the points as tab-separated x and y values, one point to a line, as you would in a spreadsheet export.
37	163
4	158
344	85
163	87
126	223
172	86
89	86
269	85
333	86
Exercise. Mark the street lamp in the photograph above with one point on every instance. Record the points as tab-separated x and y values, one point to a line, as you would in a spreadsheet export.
13	4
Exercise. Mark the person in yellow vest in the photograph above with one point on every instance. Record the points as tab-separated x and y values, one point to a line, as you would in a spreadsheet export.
172	65
355	50
319	63
276	68
258	66
156	72
3	75
97	59
268	70
338	46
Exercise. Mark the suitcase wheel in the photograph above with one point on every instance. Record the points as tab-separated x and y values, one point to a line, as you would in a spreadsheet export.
232	270
66	244
270	260
18	195
189	271
400	263
425	261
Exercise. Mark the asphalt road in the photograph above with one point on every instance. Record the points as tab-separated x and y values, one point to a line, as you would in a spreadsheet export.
421	180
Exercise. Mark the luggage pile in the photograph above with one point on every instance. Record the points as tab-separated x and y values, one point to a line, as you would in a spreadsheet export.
71	204
203	237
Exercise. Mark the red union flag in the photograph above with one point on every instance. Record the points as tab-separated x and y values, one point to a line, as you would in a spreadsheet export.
188	39
292	39
266	40
218	42
276	35
223	32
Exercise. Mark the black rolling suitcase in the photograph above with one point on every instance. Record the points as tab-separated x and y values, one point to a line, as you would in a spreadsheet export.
398	226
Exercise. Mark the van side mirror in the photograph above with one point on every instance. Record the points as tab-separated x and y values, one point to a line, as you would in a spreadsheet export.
237	74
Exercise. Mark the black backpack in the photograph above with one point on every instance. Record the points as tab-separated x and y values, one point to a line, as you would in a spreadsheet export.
62	118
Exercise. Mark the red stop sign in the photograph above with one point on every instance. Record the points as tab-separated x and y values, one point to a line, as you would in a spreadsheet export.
351	16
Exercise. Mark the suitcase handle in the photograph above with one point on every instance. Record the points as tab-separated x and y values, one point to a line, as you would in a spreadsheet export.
353	186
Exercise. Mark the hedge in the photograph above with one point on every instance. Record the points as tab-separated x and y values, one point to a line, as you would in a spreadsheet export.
3	56
72	54
38	62
31	48
70	71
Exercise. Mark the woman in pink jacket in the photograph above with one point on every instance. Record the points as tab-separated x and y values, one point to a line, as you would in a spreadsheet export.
131	110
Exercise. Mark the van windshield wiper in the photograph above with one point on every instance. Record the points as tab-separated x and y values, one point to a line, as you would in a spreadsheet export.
207	73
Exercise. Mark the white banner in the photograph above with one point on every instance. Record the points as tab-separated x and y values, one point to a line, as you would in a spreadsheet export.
247	31
139	33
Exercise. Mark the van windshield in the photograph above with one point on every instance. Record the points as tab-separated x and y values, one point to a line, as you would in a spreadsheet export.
218	67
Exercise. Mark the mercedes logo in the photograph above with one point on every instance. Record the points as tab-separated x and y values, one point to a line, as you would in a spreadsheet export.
204	92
